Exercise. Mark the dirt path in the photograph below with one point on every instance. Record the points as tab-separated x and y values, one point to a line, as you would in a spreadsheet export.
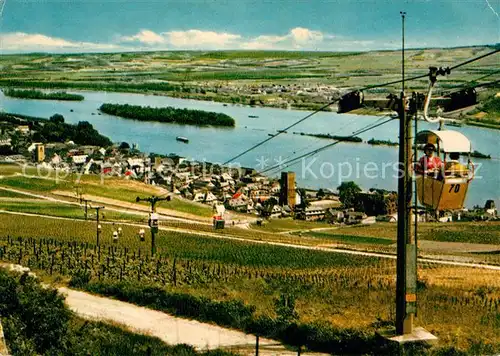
170	329
134	206
133	209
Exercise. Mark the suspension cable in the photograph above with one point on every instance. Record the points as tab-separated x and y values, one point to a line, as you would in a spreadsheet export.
296	159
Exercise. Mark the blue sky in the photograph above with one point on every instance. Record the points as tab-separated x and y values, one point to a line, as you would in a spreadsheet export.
328	25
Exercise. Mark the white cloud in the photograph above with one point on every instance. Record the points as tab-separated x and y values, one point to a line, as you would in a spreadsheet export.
298	38
190	39
304	35
25	42
146	37
201	39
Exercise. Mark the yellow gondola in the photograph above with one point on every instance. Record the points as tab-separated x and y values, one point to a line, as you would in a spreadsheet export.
444	189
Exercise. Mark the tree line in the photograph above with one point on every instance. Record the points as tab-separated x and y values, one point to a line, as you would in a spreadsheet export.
37	94
56	130
168	114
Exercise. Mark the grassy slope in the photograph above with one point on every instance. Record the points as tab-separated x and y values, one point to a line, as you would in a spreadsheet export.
113	188
63	210
281	225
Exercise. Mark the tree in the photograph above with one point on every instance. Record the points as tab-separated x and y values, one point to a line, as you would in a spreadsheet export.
271	202
320	194
304	202
57	119
285	308
268	205
347	193
124	146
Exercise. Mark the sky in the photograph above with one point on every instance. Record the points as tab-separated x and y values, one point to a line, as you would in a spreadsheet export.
320	25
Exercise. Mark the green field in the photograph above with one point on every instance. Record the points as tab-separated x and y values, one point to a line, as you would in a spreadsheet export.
63	210
198	74
282	225
8	194
468	232
348	239
175	244
113	188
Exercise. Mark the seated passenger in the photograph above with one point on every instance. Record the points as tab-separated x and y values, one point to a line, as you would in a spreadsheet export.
429	163
453	167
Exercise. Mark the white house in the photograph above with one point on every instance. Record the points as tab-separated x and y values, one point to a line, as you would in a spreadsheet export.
199	197
33	146
135	162
238	200
210	198
79	159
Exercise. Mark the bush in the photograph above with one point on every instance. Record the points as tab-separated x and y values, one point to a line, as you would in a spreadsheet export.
37	94
35	317
80	278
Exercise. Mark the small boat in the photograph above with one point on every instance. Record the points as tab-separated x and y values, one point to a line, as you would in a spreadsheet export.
253	116
182	139
270	135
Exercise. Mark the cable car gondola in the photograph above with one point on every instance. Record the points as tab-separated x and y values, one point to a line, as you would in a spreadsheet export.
443	189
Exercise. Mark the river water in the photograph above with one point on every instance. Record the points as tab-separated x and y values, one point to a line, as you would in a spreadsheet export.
369	166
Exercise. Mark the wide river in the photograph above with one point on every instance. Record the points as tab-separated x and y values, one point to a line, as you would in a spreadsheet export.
369	166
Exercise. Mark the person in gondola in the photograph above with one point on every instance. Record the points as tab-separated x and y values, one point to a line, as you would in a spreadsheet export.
453	167
429	164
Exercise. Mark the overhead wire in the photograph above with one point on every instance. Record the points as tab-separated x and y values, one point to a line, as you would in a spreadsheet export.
469	86
296	159
280	132
316	140
353	90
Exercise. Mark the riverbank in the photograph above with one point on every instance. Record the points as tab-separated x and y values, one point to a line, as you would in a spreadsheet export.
173	91
39	95
377	142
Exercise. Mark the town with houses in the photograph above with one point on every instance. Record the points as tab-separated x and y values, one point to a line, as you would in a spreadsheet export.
238	189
